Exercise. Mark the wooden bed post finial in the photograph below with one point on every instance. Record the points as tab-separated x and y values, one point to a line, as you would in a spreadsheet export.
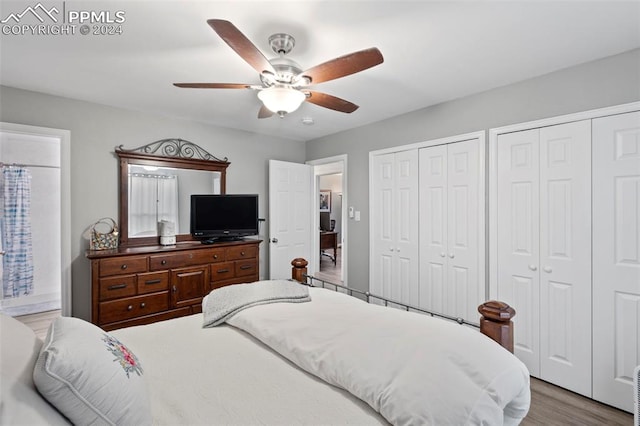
496	322
299	269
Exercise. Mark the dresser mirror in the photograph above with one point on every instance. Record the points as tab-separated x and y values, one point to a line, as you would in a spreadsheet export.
156	183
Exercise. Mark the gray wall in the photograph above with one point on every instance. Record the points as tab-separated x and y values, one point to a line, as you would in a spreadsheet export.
606	82
96	130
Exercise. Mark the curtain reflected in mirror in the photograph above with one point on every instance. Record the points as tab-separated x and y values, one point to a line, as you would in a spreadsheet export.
153	197
163	194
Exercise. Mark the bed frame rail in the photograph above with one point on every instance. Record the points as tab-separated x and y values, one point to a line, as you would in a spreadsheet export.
495	320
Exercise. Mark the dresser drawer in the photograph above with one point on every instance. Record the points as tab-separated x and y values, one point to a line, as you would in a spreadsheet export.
187	258
215	255
131	307
151	282
123	265
115	287
246	267
242	252
222	271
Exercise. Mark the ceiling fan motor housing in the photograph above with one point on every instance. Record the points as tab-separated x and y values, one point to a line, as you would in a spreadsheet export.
287	69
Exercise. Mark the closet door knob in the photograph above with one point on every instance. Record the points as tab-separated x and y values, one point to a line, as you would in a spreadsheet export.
533	267
451	255
443	254
547	269
398	249
390	248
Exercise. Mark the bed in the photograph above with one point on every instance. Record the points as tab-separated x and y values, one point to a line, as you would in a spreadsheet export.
333	359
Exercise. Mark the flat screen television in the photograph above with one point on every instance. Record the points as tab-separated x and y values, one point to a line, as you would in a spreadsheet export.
223	217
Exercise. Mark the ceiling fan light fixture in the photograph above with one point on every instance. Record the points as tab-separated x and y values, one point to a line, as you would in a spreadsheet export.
281	100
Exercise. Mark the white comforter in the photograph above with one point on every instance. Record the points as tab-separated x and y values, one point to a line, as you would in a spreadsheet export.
223	376
411	368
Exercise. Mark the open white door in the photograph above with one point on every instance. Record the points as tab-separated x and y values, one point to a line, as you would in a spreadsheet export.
290	206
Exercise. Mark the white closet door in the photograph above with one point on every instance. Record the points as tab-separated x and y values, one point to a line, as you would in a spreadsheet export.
394	209
518	235
616	257
382	226
406	227
465	285
450	279
565	255
433	228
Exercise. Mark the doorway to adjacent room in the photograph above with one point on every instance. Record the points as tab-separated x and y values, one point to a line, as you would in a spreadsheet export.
330	241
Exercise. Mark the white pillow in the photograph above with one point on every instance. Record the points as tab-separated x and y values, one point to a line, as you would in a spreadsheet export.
21	404
19	350
90	377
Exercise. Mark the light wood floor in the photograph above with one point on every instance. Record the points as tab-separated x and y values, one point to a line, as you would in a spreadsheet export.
550	405
40	322
330	271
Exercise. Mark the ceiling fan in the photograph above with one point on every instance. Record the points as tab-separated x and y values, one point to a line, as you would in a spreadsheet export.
284	83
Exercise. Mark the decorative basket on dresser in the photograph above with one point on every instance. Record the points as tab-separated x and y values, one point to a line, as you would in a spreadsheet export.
140	285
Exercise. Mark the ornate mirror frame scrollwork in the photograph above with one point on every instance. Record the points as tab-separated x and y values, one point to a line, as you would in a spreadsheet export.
174	153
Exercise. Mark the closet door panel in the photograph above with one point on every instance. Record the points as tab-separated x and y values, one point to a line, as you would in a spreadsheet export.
565	255
383	173
616	257
433	228
394	211
518	232
406	221
463	233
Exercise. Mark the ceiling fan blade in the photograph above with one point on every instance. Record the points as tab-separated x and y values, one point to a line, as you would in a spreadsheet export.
264	112
213	85
344	65
241	44
331	102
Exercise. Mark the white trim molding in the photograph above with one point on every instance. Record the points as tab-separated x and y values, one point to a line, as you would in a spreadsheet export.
65	203
327	166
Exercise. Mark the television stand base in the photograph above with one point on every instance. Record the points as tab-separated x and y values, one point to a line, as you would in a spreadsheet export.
221	239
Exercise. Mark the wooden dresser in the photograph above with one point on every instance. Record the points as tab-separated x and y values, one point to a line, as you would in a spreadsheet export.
140	285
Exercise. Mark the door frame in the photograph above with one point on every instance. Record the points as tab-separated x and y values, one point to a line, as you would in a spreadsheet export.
65	203
321	167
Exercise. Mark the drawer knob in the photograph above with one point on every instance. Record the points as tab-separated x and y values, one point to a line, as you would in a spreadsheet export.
174	289
241	253
130	307
142	305
215	256
164	262
124	266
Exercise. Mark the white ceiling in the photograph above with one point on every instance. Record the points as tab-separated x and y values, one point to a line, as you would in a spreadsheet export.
434	52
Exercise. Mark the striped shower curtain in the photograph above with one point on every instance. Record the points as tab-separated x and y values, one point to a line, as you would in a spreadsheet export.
15	225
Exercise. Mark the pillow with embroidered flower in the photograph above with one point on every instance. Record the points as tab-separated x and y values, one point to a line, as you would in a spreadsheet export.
90	376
